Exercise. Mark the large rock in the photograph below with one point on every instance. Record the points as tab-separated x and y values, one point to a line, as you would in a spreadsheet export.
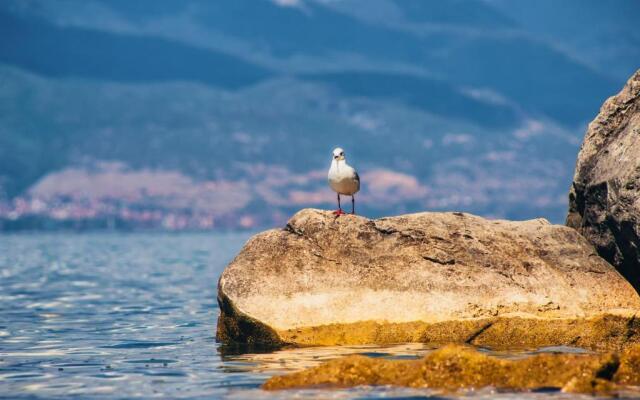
428	277
604	201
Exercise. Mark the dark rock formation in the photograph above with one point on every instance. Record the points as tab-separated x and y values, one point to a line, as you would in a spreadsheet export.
428	277
604	201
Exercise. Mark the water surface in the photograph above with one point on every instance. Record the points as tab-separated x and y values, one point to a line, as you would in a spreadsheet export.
119	316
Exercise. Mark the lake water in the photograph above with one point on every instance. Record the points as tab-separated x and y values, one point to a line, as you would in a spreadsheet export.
121	316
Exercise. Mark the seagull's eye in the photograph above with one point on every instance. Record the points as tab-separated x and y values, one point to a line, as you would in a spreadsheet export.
342	153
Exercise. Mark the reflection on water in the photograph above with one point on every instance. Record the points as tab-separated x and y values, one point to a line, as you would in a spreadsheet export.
296	359
133	316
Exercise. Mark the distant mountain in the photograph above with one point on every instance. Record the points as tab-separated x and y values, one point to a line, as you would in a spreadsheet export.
431	95
455	105
62	52
531	73
601	34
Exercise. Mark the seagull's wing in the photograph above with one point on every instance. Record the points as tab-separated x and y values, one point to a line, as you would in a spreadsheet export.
356	177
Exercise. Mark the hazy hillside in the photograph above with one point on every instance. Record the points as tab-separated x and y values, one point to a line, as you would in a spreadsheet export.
227	111
601	34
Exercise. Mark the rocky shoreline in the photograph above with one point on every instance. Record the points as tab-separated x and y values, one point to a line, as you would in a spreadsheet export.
442	278
453	368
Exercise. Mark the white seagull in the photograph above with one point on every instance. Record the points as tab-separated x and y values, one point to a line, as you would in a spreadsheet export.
343	179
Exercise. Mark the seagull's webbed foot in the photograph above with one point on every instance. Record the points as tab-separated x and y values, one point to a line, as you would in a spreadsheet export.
339	212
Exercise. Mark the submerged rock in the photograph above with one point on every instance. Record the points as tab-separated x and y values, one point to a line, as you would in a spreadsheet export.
629	371
604	201
427	277
456	367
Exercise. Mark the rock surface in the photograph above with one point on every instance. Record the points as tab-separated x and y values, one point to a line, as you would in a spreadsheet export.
456	367
427	277
604	201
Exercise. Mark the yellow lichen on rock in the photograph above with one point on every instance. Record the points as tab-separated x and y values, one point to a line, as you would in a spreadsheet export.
455	367
606	332
629	371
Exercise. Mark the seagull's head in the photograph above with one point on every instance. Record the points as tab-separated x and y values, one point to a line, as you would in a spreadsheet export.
338	154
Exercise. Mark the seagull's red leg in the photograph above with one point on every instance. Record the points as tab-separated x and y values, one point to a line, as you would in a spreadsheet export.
339	211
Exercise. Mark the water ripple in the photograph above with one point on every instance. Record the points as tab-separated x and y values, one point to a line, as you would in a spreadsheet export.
119	316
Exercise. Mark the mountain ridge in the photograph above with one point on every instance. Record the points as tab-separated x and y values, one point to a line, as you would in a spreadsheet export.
478	116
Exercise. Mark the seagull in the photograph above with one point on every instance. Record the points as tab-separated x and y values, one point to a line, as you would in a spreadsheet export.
343	179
